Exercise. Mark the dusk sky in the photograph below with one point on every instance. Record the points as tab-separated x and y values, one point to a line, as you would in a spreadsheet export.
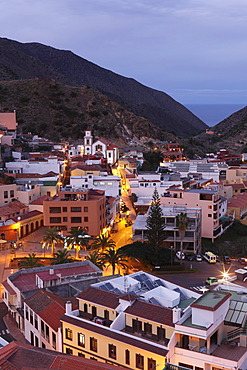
194	50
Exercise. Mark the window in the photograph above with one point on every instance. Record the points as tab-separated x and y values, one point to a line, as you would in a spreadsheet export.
80	354
12	193
43	345
55	209
64	209
106	314
76	220
42	328
65	219
85	209
36	341
94	311
139	361
112	351
5	194
31	317
147	328
55	220
27	316
151	364
69	351
81	340
53	340
209	215
209	207
85	307
36	321
68	333
93	344
85	219
47	333
75	209
127	357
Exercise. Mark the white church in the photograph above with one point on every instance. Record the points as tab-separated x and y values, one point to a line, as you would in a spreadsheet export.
101	146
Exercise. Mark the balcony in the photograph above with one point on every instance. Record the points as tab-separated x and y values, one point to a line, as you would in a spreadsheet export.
174	367
96	319
148	336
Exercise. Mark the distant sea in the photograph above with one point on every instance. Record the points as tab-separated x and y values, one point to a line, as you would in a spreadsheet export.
212	114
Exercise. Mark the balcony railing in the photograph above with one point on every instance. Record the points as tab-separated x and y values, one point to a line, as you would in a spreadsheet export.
174	367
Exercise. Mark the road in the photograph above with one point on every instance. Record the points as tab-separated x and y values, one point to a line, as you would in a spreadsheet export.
204	271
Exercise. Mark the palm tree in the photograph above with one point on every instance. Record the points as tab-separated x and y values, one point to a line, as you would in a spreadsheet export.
182	222
96	258
30	262
61	256
51	237
114	258
78	239
102	242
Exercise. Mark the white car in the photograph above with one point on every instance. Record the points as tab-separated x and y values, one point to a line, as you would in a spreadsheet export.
180	255
198	258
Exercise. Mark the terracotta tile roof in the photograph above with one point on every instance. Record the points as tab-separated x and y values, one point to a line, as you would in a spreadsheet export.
101	297
124	339
26	281
23	356
35	175
86	167
26	216
239	200
150	311
229	352
40	200
49	307
12	207
237	186
10	290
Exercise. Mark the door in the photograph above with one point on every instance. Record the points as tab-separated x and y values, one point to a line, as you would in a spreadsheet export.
151	364
185	342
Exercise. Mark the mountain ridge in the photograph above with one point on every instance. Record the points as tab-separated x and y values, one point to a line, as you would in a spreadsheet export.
30	60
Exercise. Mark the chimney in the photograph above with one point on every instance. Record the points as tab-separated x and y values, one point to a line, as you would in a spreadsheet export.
68	307
51	271
176	314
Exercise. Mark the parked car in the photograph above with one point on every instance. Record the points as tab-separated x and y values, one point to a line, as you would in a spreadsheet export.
190	257
180	255
198	258
226	260
212	281
242	261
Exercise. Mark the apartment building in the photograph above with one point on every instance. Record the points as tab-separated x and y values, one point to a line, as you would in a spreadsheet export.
206	200
108	183
35	165
127	321
142	322
42	312
23	283
191	241
73	207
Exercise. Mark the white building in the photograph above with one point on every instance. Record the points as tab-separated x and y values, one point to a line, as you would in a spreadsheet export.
109	183
35	166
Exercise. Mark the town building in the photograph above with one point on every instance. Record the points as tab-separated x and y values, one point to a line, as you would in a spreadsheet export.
206	200
127	321
76	207
23	283
190	241
17	355
8	122
108	183
35	165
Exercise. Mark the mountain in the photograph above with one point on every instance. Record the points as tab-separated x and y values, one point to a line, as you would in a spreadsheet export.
231	133
31	60
61	112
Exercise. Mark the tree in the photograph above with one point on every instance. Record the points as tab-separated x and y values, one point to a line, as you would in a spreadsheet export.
102	242
61	256
182	223
78	239
30	262
114	258
96	258
51	238
155	223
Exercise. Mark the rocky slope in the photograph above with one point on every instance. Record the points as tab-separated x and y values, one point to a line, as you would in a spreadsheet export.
61	112
30	60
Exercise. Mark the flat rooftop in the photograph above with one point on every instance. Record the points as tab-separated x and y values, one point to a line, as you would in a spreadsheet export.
211	300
